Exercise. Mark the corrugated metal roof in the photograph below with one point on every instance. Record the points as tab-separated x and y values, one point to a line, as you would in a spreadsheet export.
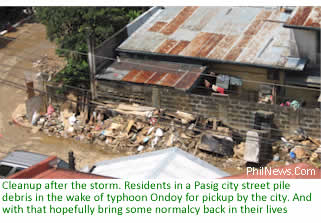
246	35
24	158
172	163
153	72
305	16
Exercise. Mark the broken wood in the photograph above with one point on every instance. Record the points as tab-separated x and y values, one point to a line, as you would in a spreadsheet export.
138	108
138	113
314	141
129	126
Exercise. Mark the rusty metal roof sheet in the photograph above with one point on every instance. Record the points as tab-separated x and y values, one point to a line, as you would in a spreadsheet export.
176	75
306	16
246	35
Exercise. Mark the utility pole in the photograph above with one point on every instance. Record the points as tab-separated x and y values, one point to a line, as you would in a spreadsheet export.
92	65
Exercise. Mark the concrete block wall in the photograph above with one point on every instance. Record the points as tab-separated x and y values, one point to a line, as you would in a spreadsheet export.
233	112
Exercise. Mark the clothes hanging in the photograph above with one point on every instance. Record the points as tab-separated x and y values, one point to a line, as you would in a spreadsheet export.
236	81
223	81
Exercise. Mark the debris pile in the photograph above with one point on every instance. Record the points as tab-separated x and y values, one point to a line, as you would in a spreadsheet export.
122	127
297	148
134	129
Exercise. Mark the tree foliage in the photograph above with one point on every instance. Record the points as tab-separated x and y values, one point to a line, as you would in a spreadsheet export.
70	27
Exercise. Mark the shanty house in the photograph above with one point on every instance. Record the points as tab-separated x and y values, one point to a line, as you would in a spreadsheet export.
244	46
172	56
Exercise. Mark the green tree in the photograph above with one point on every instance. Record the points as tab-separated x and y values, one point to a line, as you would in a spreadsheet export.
70	27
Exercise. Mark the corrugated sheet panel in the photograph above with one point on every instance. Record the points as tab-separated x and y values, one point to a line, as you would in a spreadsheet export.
306	16
24	158
233	34
176	75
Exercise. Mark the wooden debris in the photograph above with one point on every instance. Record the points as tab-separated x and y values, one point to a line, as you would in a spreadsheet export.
316	142
129	126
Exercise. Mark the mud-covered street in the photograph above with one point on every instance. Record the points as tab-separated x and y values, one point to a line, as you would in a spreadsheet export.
29	45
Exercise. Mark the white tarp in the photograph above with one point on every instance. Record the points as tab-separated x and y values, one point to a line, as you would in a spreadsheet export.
171	163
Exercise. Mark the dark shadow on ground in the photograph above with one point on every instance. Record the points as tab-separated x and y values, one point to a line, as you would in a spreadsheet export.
4	42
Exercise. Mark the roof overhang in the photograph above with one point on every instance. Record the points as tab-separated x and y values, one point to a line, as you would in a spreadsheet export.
151	72
307	80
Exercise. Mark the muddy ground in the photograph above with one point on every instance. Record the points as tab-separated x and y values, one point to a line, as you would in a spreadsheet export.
17	58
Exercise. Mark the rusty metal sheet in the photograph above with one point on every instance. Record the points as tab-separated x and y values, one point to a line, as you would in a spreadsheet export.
166	46
260	43
155	78
223	47
170	79
252	35
257	24
131	75
187	81
179	47
194	47
314	19
302	13
237	50
179	20
200	18
142	76
216	38
157	26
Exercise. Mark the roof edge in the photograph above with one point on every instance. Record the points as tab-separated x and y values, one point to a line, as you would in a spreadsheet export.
200	61
310	28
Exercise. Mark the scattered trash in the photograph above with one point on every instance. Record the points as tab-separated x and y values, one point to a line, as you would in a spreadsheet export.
129	126
153	129
314	157
50	110
217	144
155	141
276	157
159	132
35	118
72	119
150	130
292	155
140	148
300	152
146	139
239	150
71	130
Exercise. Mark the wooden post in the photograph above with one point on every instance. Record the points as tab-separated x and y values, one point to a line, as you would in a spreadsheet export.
92	66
